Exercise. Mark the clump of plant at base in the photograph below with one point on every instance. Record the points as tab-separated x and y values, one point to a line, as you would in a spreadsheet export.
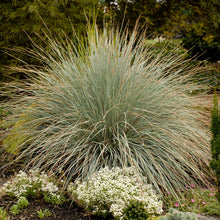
19	206
109	102
32	185
44	213
111	192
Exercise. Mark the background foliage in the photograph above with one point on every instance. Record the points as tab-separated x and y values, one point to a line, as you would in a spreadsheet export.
175	18
163	16
20	19
203	45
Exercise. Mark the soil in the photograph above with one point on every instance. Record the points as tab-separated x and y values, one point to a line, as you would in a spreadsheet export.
68	211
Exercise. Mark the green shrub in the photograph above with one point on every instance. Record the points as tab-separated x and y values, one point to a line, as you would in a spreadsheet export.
215	143
167	46
136	210
112	103
21	19
205	47
17	137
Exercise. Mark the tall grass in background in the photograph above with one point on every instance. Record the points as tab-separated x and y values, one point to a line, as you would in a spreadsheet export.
110	102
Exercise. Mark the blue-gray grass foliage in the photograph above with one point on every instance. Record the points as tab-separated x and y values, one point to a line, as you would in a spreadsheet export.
111	102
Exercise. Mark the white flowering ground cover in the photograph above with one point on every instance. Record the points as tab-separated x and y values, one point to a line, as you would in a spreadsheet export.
33	184
110	191
107	193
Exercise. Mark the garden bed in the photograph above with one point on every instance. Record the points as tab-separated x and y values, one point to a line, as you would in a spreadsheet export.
135	128
67	211
70	209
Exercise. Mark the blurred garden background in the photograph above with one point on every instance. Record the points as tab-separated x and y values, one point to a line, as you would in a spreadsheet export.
191	24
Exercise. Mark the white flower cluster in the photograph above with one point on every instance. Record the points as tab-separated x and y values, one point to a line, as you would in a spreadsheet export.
112	190
32	184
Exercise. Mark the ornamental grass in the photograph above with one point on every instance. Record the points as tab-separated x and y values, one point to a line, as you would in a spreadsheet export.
108	100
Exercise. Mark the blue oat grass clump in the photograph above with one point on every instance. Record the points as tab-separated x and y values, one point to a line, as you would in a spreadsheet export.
109	101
